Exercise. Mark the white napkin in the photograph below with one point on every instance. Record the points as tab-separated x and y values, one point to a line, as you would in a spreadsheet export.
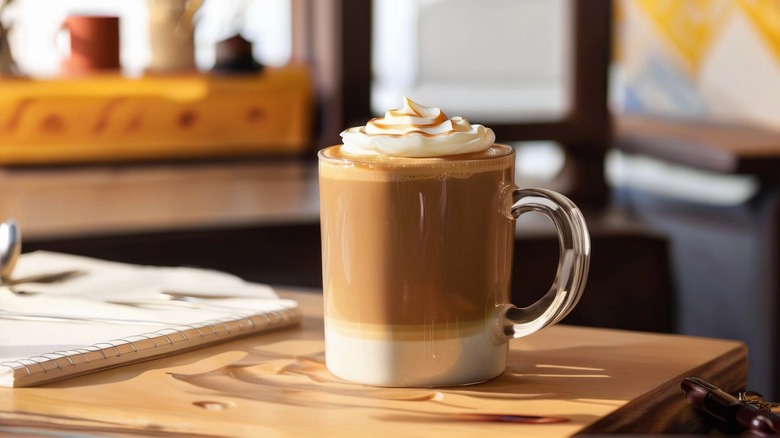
110	288
101	277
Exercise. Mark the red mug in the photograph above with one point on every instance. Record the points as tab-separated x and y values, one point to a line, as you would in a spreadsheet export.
94	44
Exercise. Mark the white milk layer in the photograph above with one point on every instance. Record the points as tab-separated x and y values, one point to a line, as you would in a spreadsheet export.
418	363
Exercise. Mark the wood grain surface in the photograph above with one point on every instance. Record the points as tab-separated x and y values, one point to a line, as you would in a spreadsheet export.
597	380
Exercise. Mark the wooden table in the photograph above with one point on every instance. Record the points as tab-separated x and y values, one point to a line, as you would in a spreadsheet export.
712	146
601	381
54	203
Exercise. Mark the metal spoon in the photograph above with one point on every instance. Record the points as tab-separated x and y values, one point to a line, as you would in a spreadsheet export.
10	248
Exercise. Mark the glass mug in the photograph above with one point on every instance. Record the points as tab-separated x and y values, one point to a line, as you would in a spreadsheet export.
417	257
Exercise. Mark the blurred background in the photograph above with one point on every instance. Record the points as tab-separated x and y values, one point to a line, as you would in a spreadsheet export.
196	145
40	42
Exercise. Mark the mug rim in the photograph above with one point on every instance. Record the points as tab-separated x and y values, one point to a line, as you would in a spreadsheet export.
413	162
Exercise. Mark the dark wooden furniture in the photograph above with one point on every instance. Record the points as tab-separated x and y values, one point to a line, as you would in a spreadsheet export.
289	254
726	257
260	220
727	148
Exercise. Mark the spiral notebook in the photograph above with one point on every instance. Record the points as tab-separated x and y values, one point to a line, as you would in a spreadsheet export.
103	314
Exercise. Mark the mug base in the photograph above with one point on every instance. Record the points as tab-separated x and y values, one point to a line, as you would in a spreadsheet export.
424	363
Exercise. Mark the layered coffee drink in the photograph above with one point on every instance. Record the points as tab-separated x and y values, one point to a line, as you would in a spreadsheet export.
429	237
417	214
416	248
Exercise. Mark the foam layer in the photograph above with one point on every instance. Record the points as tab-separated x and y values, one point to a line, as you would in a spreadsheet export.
335	163
417	131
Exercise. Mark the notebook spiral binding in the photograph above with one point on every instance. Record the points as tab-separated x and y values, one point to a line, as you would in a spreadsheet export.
268	319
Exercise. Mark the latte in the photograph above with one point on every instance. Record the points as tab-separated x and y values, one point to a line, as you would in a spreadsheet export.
417	240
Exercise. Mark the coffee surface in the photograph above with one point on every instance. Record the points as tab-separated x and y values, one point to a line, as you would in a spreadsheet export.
415	243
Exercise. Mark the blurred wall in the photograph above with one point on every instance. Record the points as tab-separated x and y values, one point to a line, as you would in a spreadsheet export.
715	59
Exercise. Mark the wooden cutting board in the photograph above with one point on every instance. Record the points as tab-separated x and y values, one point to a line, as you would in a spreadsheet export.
597	380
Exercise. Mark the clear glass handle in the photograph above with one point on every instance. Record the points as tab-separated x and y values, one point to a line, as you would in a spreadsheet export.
574	242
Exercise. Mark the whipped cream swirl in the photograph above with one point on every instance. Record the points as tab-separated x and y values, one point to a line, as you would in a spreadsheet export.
417	131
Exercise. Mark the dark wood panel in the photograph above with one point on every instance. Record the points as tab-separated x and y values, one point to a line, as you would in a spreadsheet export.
623	292
628	292
285	254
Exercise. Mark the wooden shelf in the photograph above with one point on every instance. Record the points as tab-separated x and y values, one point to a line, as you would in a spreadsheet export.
112	118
